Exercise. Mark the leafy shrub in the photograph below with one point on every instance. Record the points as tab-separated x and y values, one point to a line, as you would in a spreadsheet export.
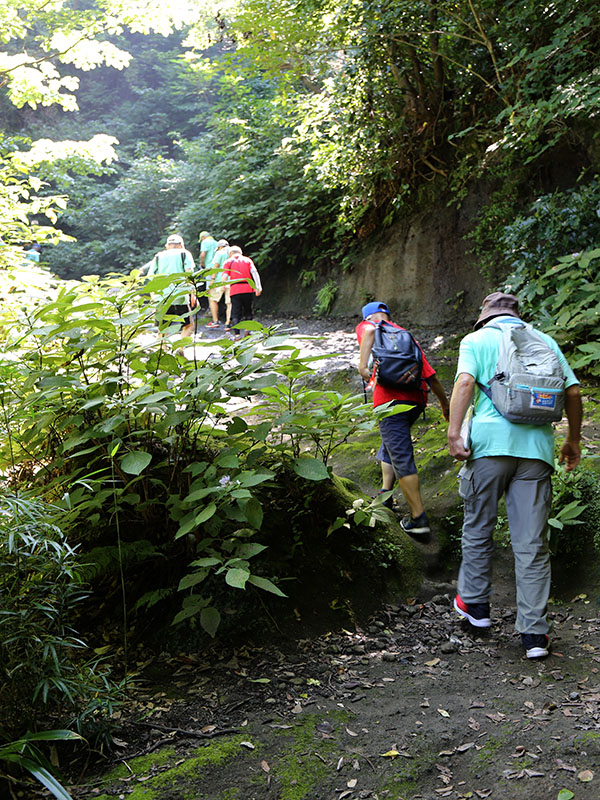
25	753
556	224
574	526
40	663
559	291
140	447
325	297
566	298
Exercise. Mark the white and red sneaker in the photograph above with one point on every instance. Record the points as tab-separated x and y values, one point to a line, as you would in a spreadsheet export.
478	614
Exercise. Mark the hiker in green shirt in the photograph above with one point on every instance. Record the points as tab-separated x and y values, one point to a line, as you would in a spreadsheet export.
208	248
173	260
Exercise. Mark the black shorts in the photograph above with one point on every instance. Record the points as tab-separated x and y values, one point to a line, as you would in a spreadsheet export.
396	443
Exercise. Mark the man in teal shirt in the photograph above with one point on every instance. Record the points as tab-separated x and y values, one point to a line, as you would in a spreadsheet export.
516	460
208	248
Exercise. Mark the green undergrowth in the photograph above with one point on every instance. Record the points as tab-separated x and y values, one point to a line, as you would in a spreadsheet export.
300	770
159	774
409	774
356	566
293	760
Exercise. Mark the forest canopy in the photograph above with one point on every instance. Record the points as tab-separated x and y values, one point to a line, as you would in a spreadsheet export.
294	127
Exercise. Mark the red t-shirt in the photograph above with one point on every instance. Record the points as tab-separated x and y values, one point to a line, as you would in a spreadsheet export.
239	268
383	394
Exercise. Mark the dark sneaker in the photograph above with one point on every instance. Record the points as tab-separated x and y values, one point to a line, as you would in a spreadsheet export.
415	525
213	325
478	614
537	645
389	503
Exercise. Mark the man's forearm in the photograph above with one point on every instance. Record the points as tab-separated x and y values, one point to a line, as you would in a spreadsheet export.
439	392
574	412
462	396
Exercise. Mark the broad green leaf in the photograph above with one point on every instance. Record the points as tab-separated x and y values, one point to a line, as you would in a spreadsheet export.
199	494
93	403
193	579
253	512
192	605
227	461
206	513
209	561
250	325
261	431
156	397
310	468
135	462
266	584
210	619
250	549
237	577
186	525
565	794
336	525
237	425
254	477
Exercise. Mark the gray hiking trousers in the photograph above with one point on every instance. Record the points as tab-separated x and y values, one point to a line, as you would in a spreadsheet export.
526	484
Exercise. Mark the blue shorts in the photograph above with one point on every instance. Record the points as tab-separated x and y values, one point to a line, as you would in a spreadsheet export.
396	445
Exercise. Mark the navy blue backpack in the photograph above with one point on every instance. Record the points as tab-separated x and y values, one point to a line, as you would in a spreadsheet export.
397	357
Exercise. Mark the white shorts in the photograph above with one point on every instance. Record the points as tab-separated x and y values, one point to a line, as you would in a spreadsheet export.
217	292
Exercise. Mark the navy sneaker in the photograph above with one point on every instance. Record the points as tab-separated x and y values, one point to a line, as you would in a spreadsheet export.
537	645
478	614
415	525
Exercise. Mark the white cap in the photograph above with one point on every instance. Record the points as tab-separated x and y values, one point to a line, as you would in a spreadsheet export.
175	238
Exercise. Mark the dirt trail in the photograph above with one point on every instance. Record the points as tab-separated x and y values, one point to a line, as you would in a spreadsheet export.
414	704
411	704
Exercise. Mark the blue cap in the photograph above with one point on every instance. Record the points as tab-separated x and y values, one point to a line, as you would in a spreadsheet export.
373	308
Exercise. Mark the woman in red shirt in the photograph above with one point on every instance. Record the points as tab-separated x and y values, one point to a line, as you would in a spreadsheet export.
245	283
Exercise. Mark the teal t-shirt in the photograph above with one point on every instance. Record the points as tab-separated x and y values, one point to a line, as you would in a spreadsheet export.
208	246
170	262
491	433
219	259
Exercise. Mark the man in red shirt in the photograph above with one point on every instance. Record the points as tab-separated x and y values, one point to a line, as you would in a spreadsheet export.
245	283
396	453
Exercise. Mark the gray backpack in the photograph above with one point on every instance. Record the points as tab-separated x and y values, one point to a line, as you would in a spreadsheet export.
529	383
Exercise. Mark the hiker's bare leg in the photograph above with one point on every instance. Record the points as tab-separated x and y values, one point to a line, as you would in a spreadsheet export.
409	486
188	330
214	310
388	477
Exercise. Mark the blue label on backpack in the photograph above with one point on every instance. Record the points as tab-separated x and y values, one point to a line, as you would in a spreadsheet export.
540	399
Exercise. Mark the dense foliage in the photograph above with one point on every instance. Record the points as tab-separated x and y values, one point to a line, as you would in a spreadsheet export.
295	129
